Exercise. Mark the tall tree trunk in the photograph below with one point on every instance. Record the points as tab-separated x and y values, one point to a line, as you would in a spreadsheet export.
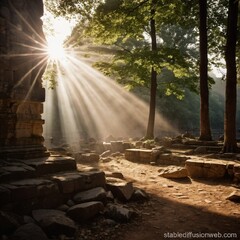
153	90
230	143
205	130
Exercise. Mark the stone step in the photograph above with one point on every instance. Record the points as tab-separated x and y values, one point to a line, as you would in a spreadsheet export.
47	192
139	155
31	168
204	168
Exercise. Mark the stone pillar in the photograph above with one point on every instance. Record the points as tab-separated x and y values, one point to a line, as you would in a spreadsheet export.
22	63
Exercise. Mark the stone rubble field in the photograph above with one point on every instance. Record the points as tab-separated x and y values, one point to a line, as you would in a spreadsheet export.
121	190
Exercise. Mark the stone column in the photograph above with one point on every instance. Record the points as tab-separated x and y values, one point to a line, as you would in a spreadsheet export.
22	63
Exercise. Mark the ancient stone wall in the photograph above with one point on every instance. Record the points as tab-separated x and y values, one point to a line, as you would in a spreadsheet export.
22	63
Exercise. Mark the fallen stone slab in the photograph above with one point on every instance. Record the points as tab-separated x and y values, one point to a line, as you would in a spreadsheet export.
74	182
140	155
85	211
206	168
95	194
121	189
54	222
174	172
29	231
118	213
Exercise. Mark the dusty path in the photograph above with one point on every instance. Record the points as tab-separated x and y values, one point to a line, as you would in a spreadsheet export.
178	207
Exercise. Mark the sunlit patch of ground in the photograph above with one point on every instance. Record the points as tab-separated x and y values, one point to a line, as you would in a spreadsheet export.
176	206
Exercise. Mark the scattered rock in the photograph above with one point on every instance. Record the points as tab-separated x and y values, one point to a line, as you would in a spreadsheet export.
105	154
8	222
140	196
85	211
54	222
95	194
29	231
118	213
234	196
120	189
174	172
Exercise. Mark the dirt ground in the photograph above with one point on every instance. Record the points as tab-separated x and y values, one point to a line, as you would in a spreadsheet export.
183	209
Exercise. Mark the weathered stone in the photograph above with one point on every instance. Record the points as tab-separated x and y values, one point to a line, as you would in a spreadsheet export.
140	196
206	168
140	155
21	91
117	146
234	196
79	181
8	222
88	157
52	164
29	231
54	222
236	168
120	189
118	213
85	211
95	194
173	172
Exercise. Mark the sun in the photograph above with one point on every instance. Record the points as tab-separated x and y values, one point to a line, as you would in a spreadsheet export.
55	49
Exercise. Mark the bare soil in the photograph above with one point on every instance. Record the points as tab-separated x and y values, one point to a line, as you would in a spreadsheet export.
197	209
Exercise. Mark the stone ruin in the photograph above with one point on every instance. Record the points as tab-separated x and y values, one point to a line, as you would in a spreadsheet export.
22	64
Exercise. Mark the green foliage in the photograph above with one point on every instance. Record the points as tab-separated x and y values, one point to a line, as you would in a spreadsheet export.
50	75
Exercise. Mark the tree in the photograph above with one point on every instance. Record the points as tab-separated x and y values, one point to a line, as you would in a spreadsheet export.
132	27
153	88
230	143
205	131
